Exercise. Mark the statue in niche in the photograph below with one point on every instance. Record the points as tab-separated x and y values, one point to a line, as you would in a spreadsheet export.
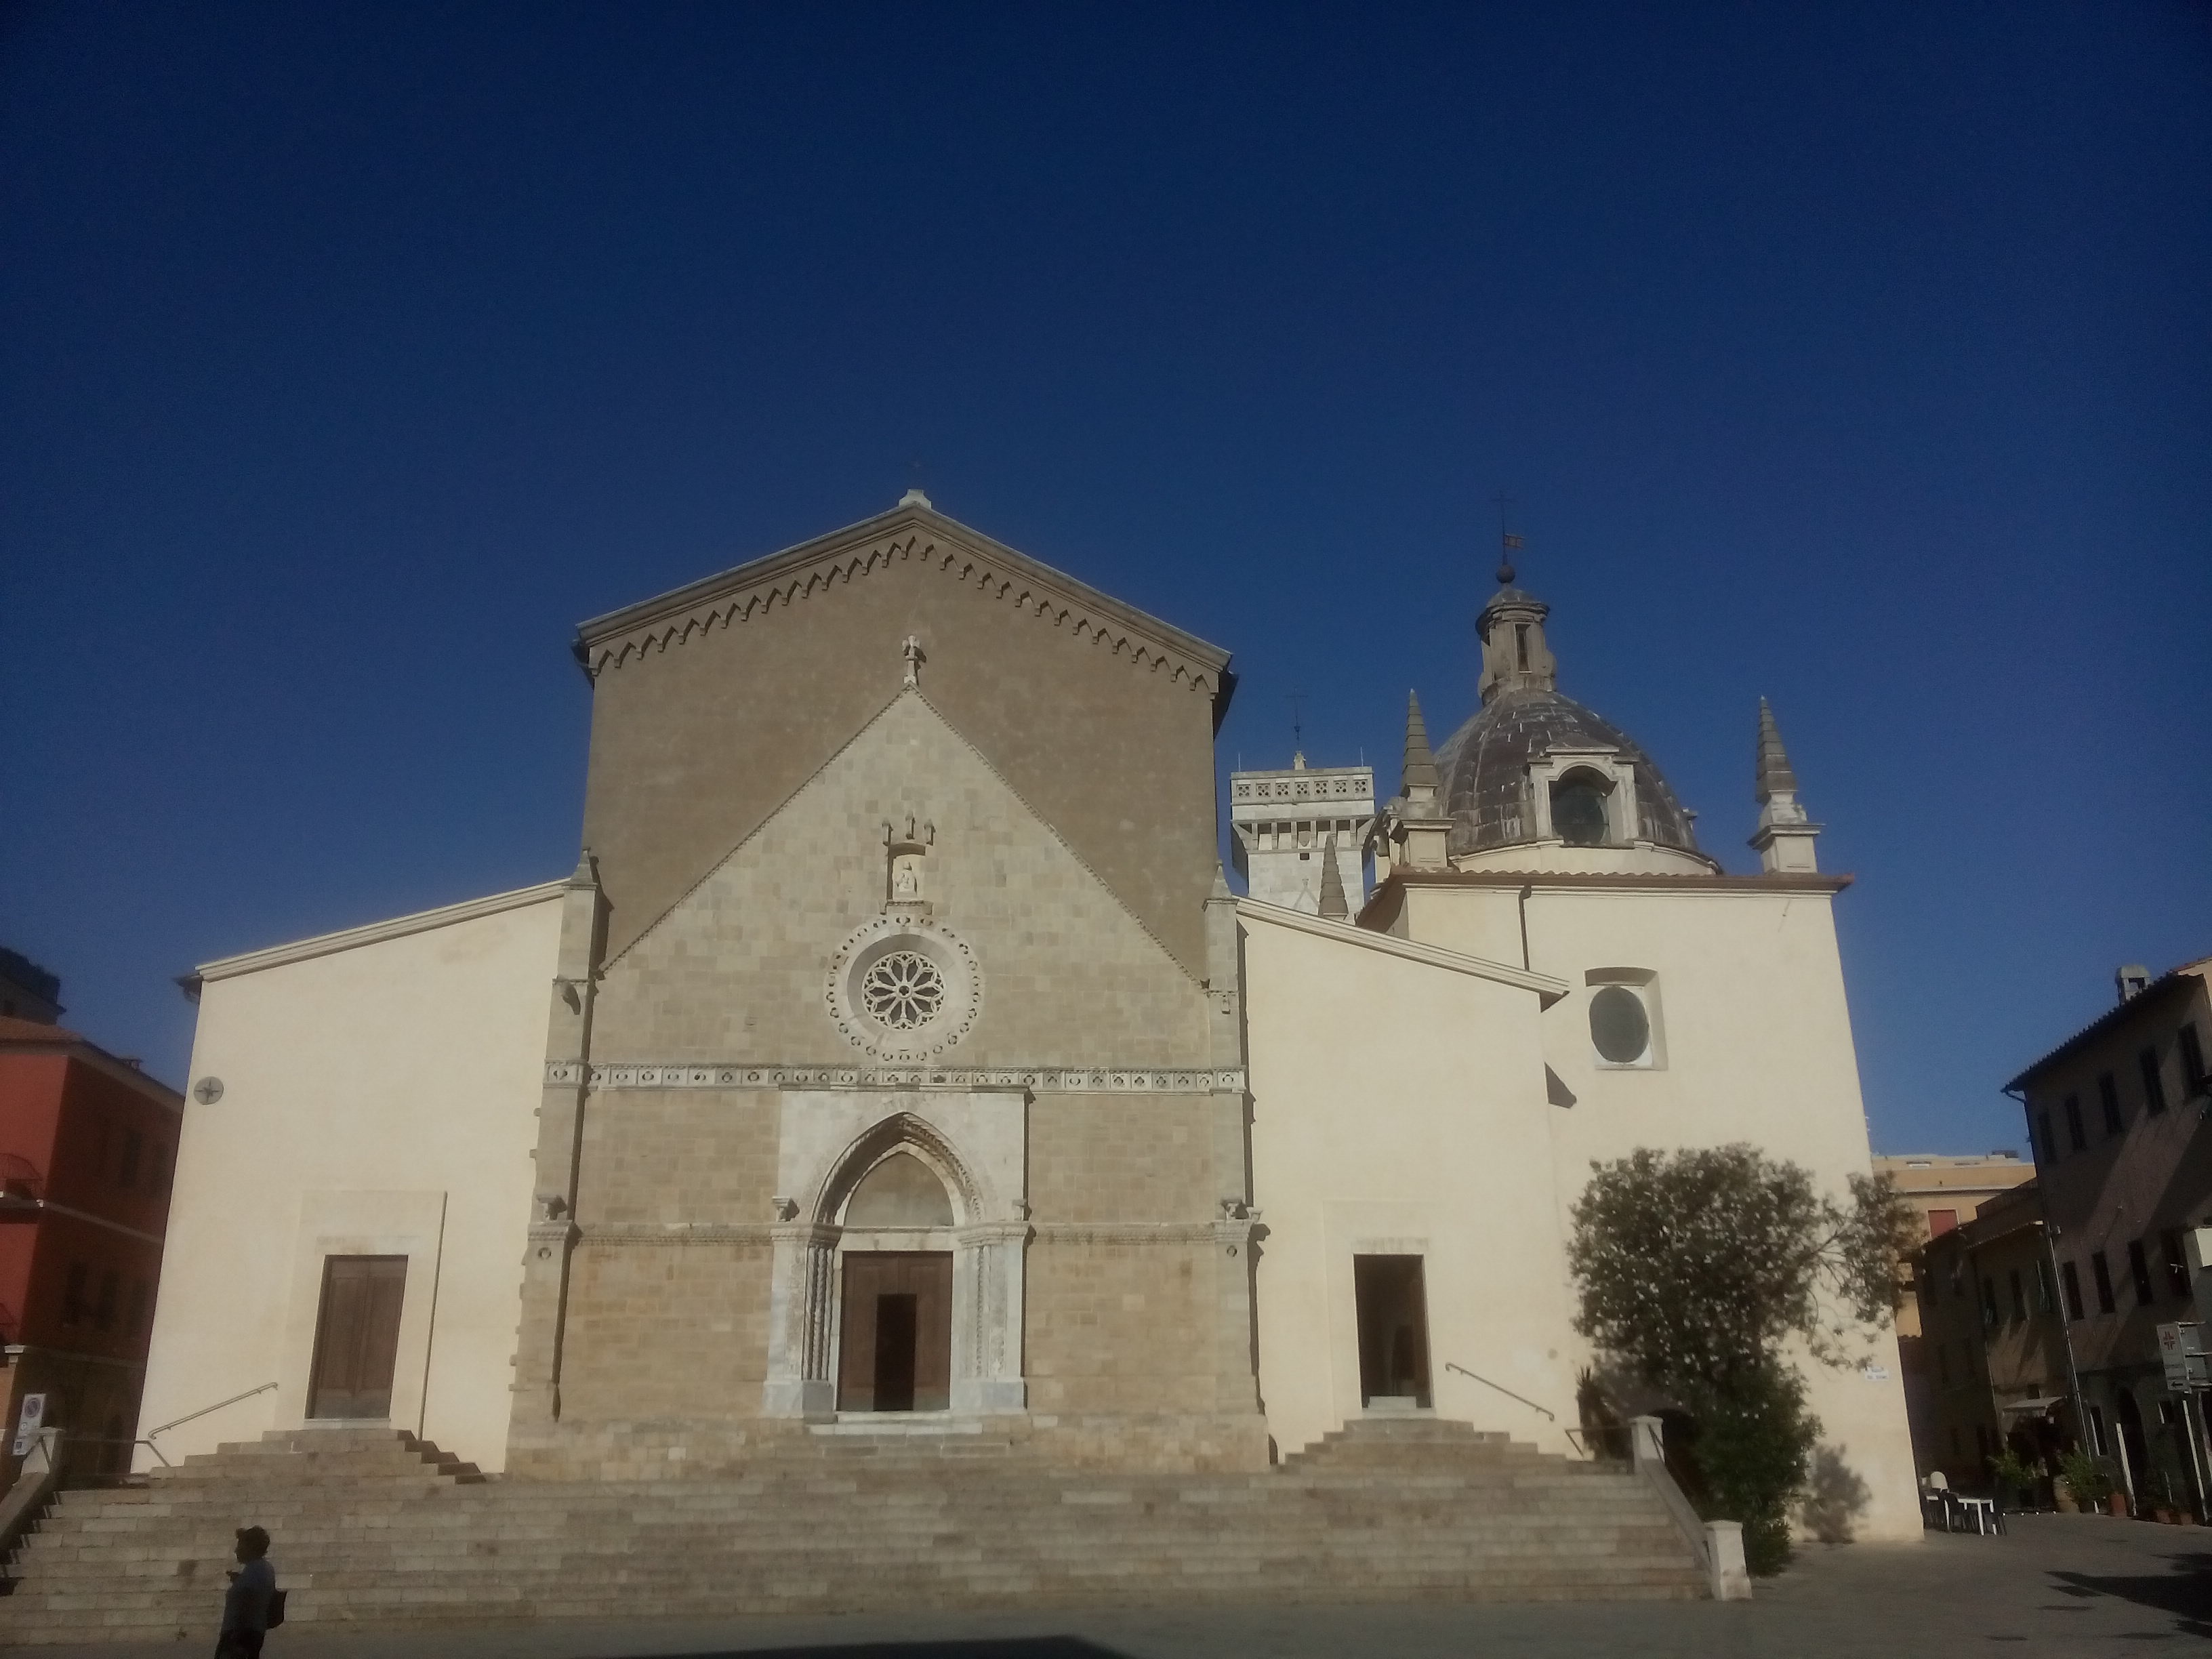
906	852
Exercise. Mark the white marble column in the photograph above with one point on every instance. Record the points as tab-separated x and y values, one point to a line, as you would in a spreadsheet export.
987	1267
802	1299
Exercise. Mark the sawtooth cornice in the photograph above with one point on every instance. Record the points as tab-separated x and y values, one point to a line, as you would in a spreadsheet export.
752	590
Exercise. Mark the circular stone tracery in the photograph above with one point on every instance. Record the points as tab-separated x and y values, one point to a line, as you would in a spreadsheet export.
903	990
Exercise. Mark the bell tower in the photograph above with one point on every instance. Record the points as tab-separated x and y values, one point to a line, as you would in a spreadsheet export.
1295	827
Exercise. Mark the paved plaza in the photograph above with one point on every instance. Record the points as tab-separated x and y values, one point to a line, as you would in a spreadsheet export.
2058	1585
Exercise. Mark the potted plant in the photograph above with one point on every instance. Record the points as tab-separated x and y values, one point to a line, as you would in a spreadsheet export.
2015	1479
2090	1480
2163	1508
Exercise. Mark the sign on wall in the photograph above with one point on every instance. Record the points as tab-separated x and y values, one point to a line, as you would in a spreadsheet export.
28	1424
2181	1346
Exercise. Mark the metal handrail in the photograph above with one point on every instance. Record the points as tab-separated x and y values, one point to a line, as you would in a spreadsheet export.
1501	1389
180	1421
1599	1445
117	1440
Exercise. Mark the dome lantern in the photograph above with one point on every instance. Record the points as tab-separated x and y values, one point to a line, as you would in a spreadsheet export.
1534	779
1514	657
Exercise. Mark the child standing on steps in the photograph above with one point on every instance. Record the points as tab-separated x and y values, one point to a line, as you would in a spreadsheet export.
246	1603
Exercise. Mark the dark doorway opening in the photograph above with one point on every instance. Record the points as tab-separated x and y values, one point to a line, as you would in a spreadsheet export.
1393	1329
357	1336
894	1351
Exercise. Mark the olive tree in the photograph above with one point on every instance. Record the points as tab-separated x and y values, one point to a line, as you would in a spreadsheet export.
1697	1268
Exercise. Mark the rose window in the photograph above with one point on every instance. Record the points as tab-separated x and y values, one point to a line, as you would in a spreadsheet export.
903	990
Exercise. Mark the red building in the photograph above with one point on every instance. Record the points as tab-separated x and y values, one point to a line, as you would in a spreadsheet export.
87	1146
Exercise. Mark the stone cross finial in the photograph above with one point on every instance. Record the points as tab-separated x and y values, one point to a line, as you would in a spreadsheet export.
910	648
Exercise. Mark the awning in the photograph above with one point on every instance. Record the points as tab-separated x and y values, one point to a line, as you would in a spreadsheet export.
2040	1403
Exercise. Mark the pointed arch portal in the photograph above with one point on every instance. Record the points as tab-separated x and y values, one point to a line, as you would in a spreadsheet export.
897	1278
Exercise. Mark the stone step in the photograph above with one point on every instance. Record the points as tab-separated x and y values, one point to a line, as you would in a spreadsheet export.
890	1592
335	1556
945	1478
383	1530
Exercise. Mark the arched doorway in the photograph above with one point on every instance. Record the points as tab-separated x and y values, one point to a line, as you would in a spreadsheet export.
895	1322
941	1175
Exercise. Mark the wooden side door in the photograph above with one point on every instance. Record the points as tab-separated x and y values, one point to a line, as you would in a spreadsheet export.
357	1336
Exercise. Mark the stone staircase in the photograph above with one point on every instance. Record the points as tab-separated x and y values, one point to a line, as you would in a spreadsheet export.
378	1529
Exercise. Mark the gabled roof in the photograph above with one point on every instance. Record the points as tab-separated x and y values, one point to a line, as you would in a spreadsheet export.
2158	992
374	932
911	529
35	1036
13	1030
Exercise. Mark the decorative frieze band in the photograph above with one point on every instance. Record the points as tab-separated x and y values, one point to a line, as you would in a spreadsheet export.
762	1235
1084	1080
783	579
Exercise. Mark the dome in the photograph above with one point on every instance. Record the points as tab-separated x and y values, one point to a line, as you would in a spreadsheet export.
1482	770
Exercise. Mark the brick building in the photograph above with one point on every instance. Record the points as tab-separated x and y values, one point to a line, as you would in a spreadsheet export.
1992	1356
1943	1190
87	1144
2118	1114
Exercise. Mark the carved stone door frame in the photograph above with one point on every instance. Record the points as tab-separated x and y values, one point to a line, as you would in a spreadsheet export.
977	1141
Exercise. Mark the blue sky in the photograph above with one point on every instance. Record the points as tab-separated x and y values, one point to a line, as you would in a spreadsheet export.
1860	358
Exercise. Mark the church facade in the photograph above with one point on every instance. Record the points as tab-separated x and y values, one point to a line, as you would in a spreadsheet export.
897	1052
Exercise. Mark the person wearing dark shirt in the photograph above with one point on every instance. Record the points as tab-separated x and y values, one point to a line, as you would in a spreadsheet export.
245	1603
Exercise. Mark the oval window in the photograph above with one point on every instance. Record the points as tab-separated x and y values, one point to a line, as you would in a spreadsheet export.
1578	814
1619	1025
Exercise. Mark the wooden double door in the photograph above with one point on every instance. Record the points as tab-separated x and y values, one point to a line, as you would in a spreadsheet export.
895	1343
357	1336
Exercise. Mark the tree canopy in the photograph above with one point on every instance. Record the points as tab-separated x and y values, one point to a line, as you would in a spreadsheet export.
1695	1268
1696	1265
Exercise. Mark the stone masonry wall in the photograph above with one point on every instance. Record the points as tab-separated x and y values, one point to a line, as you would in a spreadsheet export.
666	1330
677	1156
694	746
664	1349
1120	1159
736	972
1115	1324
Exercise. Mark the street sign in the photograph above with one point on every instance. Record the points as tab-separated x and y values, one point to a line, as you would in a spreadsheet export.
26	1425
2181	1347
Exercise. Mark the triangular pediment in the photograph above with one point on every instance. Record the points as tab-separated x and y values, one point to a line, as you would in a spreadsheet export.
1048	932
907	533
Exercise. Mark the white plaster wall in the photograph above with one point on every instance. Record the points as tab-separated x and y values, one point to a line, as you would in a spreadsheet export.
1398	1108
377	1099
1757	1048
